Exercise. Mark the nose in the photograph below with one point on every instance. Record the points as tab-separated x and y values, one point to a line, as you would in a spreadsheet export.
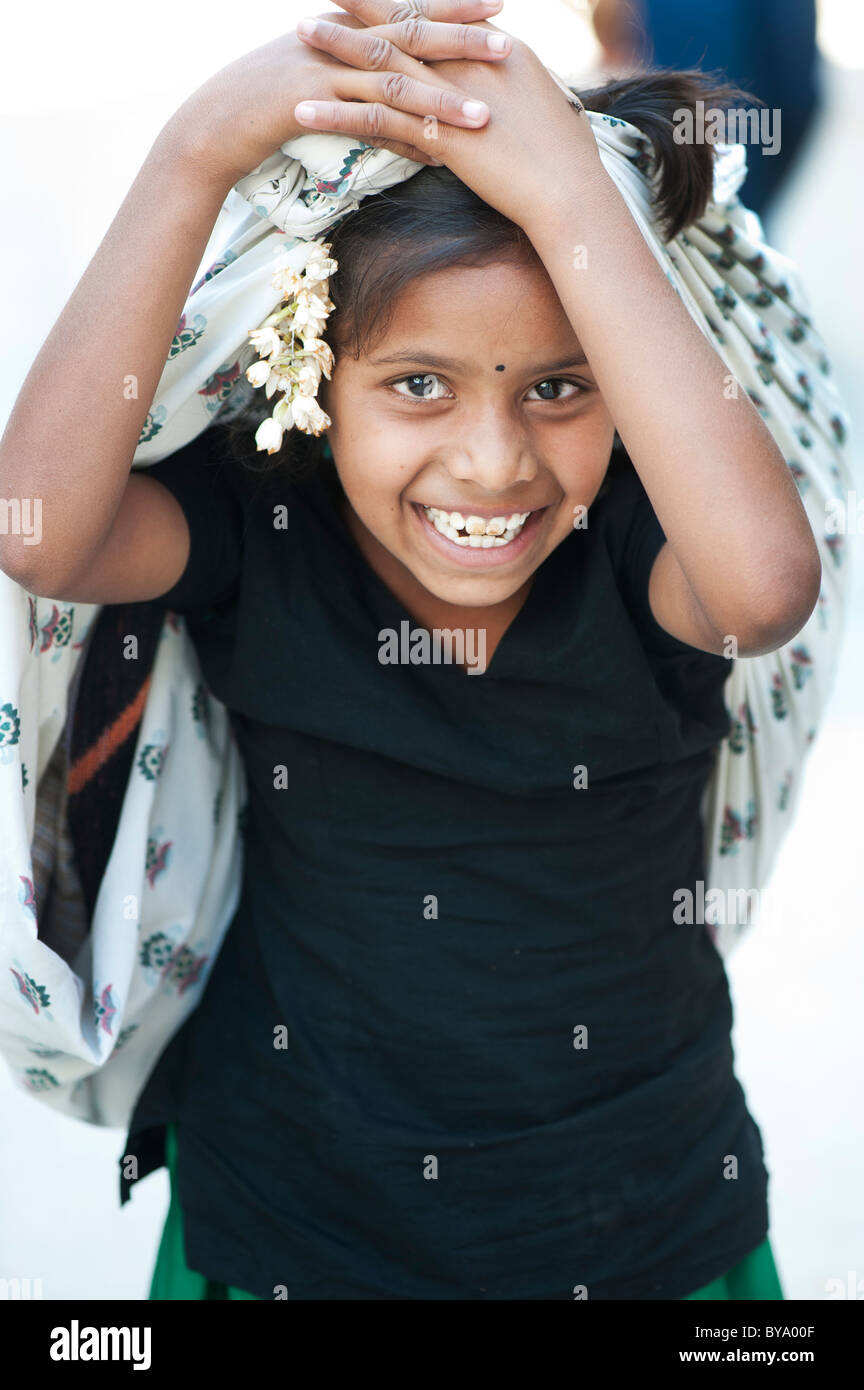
492	451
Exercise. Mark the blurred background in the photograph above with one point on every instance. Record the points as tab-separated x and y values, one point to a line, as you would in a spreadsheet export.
84	91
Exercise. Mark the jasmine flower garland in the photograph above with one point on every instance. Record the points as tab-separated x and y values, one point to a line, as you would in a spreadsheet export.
292	353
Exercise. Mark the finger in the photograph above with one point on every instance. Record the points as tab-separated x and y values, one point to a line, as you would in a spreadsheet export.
406	151
372	121
399	92
419	38
372	12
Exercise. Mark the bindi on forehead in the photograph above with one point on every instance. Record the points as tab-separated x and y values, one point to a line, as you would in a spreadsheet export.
500	368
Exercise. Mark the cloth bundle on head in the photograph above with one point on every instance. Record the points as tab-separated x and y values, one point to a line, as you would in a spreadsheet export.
95	980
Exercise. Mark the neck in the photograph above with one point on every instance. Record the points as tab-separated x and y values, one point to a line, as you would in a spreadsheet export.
426	608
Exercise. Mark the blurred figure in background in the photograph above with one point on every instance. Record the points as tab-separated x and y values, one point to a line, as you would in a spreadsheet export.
768	47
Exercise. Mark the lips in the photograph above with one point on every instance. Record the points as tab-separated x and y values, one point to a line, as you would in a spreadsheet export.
479	548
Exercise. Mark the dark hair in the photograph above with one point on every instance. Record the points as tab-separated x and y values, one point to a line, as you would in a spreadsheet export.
436	221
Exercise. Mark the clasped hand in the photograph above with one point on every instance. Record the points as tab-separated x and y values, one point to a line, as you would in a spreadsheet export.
447	87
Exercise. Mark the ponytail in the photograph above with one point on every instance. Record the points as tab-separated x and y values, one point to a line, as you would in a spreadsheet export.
654	102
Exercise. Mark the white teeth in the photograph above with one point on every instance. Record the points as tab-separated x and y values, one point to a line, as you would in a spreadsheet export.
481	533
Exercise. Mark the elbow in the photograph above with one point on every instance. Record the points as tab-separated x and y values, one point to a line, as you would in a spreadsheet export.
25	566
16	562
780	614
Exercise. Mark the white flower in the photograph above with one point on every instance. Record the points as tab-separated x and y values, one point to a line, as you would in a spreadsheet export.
269	435
259	372
278	382
286	279
310	315
309	378
289	342
308	415
322	353
266	341
318	266
282	413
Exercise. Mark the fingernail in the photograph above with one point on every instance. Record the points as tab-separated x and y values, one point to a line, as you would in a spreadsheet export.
307	26
305	111
491	4
497	42
474	110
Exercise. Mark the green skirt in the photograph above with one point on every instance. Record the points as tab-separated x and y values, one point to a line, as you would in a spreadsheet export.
753	1277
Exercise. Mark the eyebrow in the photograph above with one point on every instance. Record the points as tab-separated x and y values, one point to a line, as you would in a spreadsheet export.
431	359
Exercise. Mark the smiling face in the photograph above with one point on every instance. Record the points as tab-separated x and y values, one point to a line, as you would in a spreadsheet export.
469	434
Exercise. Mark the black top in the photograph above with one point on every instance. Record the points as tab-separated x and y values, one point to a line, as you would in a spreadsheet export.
503	1070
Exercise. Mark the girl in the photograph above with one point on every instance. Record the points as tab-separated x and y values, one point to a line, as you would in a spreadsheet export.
454	1045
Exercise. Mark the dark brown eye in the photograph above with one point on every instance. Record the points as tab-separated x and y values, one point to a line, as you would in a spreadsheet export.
424	381
544	386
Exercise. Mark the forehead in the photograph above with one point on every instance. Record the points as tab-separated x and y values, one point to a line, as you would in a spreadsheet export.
506	313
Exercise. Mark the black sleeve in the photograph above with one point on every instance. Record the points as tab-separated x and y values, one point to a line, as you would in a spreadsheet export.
692	680
206	483
635	540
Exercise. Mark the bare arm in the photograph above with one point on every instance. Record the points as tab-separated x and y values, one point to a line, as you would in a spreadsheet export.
73	429
741	559
75	425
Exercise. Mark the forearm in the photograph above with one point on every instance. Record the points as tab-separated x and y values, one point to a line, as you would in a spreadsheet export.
76	422
720	486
